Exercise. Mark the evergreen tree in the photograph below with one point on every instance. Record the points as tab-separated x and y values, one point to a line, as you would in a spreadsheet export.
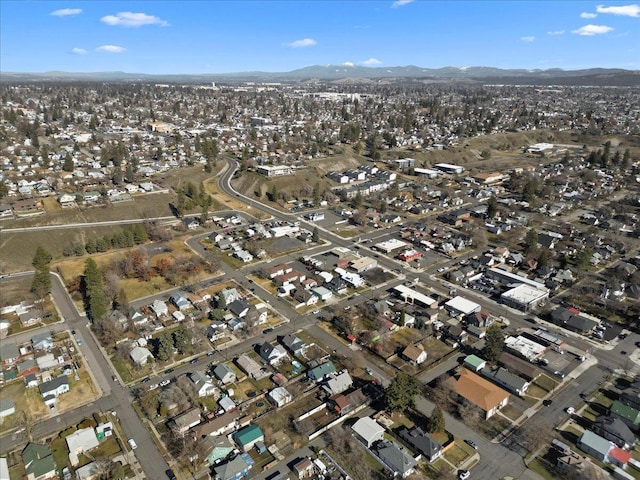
492	207
531	241
436	421
494	342
67	166
95	300
401	392
316	235
41	258
164	347
181	339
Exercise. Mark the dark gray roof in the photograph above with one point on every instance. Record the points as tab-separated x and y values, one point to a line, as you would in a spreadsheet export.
421	441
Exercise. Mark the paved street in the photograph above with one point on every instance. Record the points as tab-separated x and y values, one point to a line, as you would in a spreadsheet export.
497	459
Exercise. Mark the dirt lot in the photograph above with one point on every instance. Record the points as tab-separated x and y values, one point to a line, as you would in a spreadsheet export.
28	402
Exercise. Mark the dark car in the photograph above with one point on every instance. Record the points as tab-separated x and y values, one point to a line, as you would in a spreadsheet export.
267	330
471	443
170	474
195	360
547	402
170	370
73	332
145	380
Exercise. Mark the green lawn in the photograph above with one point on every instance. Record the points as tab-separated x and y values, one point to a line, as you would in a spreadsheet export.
456	455
540	467
59	452
545	382
512	412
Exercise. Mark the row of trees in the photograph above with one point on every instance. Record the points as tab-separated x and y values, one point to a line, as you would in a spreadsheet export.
127	237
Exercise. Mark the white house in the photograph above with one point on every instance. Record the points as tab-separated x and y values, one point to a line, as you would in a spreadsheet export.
81	441
160	308
280	396
140	355
368	431
204	385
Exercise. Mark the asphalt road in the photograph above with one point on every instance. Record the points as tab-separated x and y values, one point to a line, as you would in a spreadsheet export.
497	460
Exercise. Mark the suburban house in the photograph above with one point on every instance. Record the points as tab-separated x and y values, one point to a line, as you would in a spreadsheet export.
224	373
304	468
47	361
595	445
506	379
7	407
415	354
203	384
227	404
321	372
294	344
38	462
480	392
235	469
140	355
250	366
474	363
53	388
274	354
520	367
247	437
81	441
421	442
338	383
179	301
368	431
280	396
629	415
396	458
185	421
219	425
9	353
42	341
615	430
217	449
239	308
159	308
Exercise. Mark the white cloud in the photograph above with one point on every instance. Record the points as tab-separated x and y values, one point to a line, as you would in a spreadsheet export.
65	12
130	19
624	10
372	61
78	51
400	3
348	64
588	15
110	49
556	32
528	38
590	30
305	42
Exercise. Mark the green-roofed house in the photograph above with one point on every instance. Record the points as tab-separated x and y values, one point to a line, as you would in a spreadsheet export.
247	437
474	363
38	462
629	415
321	372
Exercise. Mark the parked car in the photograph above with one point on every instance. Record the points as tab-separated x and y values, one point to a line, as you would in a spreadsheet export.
471	443
570	410
165	382
463	474
195	360
267	330
132	444
546	402
170	474
558	373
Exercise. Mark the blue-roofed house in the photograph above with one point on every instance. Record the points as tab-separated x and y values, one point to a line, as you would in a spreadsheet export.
321	372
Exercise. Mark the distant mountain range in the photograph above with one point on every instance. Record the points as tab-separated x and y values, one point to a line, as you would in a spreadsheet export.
354	73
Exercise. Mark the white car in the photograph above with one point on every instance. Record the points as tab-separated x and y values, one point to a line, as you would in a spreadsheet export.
463	474
164	383
570	410
153	386
315	312
132	444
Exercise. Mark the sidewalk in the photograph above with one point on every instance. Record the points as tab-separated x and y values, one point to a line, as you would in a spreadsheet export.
531	411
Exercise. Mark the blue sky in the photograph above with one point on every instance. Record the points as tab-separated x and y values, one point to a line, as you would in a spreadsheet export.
233	36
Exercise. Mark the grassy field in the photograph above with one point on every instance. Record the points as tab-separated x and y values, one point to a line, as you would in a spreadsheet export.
28	403
81	391
546	383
